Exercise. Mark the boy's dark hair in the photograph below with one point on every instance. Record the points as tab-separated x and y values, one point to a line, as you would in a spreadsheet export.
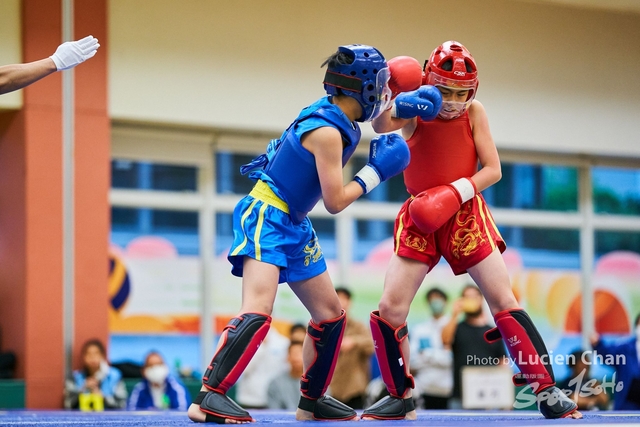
436	291
470	286
297	326
637	320
94	342
448	66
337	59
576	356
345	291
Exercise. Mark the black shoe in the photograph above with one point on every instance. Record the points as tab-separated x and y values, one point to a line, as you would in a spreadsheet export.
219	407
390	408
553	403
327	408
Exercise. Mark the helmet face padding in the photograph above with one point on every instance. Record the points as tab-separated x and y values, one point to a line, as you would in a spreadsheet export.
452	66
364	78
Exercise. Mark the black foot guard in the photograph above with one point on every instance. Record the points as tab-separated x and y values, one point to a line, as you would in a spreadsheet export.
219	408
327	408
390	408
553	403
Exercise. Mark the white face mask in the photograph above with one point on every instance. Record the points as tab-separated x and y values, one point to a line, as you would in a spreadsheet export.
156	374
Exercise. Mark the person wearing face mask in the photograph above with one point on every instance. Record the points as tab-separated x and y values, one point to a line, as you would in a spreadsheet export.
466	339
97	386
627	371
431	363
158	389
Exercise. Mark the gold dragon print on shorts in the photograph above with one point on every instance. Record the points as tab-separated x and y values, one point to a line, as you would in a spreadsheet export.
313	252
467	238
417	243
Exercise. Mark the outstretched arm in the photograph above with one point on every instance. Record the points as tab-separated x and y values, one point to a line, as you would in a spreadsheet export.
17	76
68	55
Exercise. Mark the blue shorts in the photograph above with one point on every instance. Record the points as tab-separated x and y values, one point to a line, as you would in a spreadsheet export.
263	230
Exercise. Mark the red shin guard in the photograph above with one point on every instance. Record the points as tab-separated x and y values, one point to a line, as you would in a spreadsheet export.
387	341
240	341
327	337
526	348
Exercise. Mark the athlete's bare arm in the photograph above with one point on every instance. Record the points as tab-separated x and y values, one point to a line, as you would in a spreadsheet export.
491	171
325	144
385	123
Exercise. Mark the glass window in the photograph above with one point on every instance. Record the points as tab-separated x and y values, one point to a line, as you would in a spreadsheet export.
228	177
392	190
616	191
544	247
150	176
370	233
224	233
179	227
609	241
326	231
540	187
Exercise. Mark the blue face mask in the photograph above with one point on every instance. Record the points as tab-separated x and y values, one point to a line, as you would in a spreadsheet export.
437	306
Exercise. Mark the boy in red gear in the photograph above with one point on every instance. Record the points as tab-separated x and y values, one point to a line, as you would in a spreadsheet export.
447	216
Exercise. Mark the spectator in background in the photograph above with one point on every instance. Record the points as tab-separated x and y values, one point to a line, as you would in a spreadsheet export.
353	369
579	385
7	362
97	385
67	55
283	391
466	339
431	363
298	332
269	361
627	371
158	389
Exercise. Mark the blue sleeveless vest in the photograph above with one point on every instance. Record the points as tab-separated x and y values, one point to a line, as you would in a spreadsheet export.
292	168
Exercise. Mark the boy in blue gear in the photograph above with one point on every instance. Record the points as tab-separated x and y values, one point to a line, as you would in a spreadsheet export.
274	241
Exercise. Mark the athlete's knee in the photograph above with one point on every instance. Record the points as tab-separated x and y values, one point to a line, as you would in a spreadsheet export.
504	302
393	312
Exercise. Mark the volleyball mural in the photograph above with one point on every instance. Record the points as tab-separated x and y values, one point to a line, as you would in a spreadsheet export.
119	283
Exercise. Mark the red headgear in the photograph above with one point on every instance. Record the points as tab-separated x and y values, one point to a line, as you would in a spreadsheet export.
451	65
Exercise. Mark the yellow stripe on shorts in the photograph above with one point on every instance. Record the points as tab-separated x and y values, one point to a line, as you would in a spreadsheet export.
263	192
242	220
484	221
399	232
256	236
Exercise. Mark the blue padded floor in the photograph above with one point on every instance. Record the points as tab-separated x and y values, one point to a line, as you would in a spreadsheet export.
425	418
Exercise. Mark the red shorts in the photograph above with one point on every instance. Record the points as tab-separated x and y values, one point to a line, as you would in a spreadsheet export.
465	240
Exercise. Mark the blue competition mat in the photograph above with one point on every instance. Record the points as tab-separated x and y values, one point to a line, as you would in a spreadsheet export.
425	418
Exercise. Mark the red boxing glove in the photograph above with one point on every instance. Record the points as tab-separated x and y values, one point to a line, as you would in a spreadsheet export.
406	74
433	207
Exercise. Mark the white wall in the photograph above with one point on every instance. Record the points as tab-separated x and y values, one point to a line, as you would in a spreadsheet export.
551	77
10	46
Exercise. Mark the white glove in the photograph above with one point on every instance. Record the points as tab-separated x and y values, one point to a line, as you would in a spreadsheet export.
70	54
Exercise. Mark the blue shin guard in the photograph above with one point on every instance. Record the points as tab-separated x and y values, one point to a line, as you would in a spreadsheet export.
388	344
326	337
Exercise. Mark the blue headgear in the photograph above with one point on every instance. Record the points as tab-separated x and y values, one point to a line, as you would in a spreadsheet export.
365	79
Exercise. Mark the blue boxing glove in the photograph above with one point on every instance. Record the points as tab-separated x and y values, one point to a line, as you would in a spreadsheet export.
388	156
424	102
